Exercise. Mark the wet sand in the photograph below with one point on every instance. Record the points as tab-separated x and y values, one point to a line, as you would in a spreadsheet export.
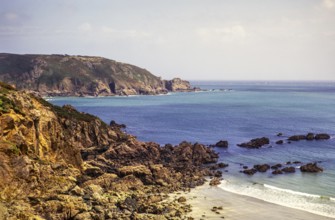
238	207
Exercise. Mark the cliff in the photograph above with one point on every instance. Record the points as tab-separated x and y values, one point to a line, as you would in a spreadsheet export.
64	75
58	163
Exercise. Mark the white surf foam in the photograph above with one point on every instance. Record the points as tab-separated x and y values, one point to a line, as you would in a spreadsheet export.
317	204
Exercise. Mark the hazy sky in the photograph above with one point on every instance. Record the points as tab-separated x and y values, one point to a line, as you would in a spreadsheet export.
193	39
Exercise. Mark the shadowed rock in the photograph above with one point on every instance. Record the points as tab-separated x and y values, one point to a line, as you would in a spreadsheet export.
322	136
311	168
255	143
222	143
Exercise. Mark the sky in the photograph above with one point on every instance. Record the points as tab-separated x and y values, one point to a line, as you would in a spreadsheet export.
191	39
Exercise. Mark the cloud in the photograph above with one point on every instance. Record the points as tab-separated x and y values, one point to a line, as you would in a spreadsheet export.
86	27
230	33
330	4
10	16
129	33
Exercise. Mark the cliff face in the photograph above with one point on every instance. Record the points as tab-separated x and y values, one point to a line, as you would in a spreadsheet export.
63	75
57	163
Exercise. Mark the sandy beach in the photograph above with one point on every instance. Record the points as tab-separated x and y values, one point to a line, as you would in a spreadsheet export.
238	207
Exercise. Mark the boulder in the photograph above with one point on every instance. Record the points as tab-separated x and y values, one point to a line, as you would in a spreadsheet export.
250	172
277	166
215	181
222	143
280	142
311	168
280	134
310	136
288	170
262	167
181	199
255	143
322	136
297	137
276	172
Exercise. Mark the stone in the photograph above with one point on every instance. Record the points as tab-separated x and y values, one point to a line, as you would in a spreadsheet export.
280	142
262	167
255	143
277	166
250	171
310	136
77	191
222	143
322	136
288	170
276	172
215	181
297	138
311	168
181	199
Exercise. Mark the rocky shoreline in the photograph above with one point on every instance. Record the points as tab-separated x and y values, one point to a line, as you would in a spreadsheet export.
58	163
65	75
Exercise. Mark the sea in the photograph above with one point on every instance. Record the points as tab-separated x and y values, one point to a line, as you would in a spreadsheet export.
238	111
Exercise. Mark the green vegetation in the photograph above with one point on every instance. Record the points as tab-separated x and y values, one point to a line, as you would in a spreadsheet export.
67	111
7	104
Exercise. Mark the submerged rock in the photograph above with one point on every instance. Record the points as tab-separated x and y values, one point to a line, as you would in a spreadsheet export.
280	142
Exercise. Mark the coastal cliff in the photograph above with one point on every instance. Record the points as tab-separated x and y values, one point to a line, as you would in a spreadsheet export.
64	75
58	163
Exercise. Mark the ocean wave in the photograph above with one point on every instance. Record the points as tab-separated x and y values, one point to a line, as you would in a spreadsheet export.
317	204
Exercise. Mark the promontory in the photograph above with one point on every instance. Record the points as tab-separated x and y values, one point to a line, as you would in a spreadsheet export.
65	75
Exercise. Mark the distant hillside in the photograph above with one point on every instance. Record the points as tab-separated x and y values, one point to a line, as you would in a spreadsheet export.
64	75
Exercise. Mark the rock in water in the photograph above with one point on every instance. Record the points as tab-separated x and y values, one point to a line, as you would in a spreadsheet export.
222	143
322	136
311	168
297	138
255	143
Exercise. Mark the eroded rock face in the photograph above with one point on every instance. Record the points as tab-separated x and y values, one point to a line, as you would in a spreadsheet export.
64	75
58	163
177	85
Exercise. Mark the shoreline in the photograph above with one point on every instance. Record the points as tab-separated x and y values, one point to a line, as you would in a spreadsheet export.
237	207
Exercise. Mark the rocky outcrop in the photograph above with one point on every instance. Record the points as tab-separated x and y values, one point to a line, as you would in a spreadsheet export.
222	143
179	85
58	163
255	143
311	168
310	137
64	75
322	136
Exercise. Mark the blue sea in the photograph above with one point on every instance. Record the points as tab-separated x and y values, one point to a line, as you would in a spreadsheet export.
239	111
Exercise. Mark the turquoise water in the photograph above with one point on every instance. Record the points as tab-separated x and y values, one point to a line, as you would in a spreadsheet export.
238	112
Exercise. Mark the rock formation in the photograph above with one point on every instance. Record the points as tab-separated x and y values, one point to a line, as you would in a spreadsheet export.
58	163
311	168
64	75
255	143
